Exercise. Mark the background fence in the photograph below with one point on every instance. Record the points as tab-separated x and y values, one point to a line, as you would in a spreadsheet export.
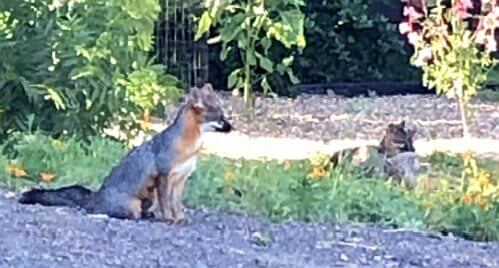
175	45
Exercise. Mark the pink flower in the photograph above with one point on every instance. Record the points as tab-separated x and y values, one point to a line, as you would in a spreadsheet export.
423	56
405	27
461	8
412	13
491	44
414	38
426	53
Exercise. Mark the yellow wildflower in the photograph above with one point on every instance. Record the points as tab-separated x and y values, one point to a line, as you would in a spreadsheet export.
57	143
483	179
426	184
287	165
467	199
145	122
262	159
474	187
317	171
229	175
482	202
47	176
16	171
490	190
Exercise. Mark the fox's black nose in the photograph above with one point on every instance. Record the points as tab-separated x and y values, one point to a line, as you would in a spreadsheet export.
226	126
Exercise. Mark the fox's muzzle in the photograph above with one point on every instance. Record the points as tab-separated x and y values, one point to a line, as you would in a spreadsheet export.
224	126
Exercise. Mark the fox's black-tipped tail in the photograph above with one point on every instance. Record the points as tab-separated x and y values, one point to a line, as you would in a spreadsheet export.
71	196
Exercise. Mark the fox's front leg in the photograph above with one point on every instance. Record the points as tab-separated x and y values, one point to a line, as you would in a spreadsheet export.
178	207
165	198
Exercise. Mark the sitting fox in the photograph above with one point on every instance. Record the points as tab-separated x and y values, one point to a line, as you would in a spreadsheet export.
151	176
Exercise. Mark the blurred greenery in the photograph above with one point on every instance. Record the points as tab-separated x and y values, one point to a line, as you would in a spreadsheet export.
75	67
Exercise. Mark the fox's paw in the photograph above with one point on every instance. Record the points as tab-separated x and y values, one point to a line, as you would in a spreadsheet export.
182	220
169	220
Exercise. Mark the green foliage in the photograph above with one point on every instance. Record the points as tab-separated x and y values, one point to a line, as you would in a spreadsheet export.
348	41
248	28
74	65
458	67
286	191
351	42
68	160
465	199
146	87
301	190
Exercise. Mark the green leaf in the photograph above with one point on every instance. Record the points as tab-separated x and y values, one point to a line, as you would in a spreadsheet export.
280	68
214	40
251	59
288	61
233	77
231	27
265	63
292	77
266	43
204	25
56	98
265	85
225	51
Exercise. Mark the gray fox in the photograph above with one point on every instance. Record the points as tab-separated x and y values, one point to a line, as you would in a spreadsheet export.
152	176
395	155
395	141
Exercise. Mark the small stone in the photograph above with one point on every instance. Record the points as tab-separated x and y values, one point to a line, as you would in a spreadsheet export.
344	257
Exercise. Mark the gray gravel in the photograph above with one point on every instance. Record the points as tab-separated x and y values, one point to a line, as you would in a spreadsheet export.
39	236
326	117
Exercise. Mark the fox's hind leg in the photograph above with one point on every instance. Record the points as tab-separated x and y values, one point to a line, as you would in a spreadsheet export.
135	209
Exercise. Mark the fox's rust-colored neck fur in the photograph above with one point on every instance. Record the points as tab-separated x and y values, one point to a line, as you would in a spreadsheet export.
188	144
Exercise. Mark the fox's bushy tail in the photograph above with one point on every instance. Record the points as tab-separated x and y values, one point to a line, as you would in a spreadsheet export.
71	196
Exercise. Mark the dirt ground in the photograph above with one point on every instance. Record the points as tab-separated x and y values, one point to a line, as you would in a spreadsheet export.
36	236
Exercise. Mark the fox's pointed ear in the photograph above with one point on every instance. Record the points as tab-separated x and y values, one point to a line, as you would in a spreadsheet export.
196	99
391	128
207	90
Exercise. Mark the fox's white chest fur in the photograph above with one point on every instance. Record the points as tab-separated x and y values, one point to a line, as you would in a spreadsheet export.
186	167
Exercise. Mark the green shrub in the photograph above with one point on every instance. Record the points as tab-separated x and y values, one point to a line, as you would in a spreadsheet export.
347	41
68	160
273	190
300	190
74	64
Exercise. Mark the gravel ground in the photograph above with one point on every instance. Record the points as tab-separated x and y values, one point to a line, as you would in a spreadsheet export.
36	236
